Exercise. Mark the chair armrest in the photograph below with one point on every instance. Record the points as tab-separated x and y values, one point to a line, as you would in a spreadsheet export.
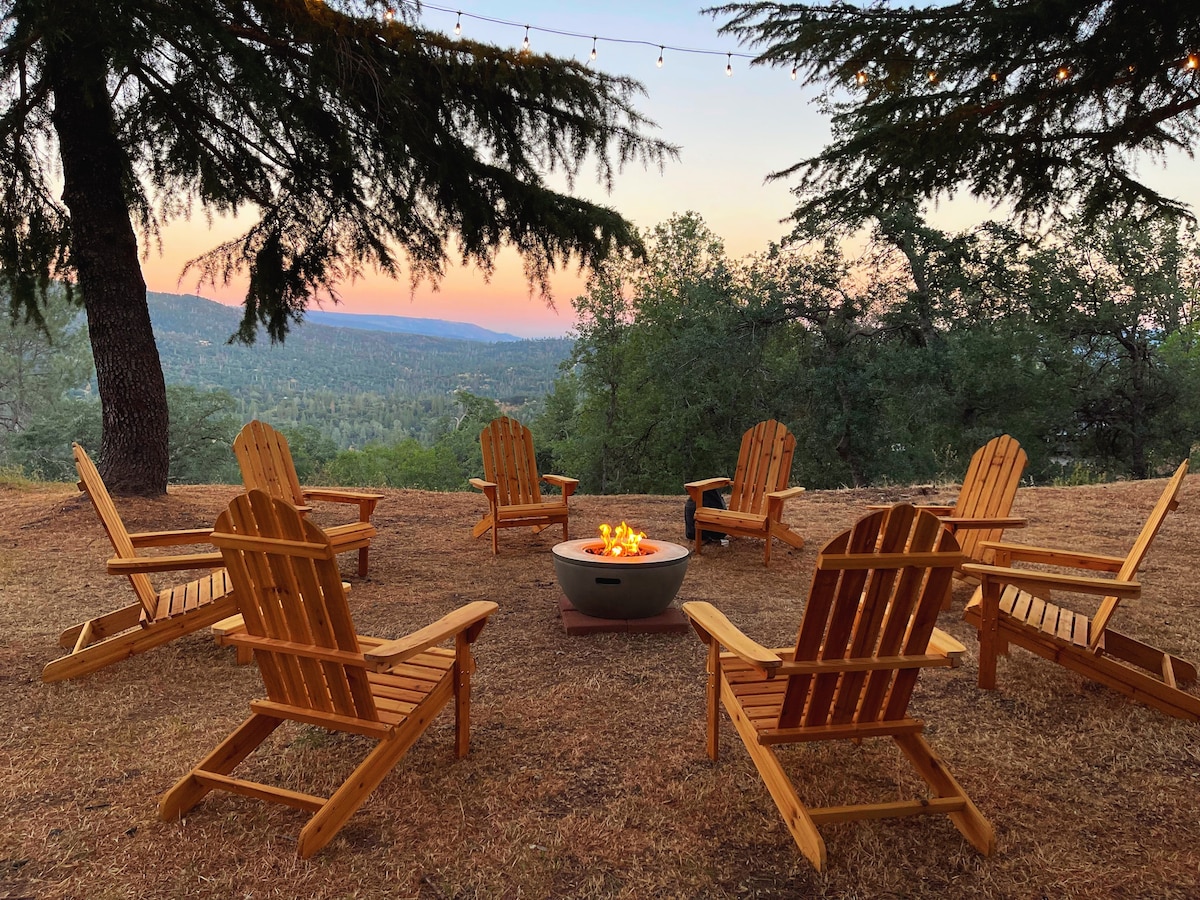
171	538
963	523
469	618
336	495
710	623
563	483
696	489
786	494
147	564
1098	562
938	509
1036	582
365	502
490	489
947	645
230	626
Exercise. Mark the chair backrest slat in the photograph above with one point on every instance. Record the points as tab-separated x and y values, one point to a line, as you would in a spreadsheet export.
509	461
1168	501
764	465
885	610
293	593
265	460
92	484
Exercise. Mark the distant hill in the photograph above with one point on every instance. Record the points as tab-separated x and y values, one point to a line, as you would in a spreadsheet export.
463	331
355	385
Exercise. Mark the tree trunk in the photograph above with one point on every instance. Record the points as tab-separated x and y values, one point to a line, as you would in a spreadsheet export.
133	396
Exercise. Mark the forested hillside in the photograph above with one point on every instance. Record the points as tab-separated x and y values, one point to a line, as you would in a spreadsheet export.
355	386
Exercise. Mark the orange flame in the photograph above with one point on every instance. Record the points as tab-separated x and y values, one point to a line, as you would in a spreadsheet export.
621	541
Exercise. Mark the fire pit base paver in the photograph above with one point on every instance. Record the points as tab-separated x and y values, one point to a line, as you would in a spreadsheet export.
670	621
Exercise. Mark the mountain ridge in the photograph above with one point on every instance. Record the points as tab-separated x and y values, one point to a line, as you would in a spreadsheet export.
463	331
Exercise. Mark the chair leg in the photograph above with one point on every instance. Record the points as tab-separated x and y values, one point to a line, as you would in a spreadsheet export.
464	666
989	634
969	821
712	700
122	646
191	789
362	562
346	800
803	829
102	626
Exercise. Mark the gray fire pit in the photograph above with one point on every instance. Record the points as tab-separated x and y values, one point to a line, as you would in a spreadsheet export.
615	587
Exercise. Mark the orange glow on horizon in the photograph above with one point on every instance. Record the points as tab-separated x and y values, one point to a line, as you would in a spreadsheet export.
503	303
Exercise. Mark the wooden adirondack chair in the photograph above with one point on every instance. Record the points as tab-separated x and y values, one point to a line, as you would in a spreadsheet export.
759	488
1013	606
984	501
317	671
158	616
986	497
265	459
867	631
511	484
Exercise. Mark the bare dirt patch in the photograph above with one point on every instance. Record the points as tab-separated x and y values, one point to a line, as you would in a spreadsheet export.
587	776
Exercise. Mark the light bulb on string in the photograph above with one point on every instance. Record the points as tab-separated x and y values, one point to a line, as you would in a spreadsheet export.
660	57
860	78
1192	63
458	25
729	65
389	14
525	43
795	66
593	56
1063	73
932	76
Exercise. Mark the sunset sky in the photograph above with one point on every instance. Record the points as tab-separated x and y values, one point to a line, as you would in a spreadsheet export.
731	131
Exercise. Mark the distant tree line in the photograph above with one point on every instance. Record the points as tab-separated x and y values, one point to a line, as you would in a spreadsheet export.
890	364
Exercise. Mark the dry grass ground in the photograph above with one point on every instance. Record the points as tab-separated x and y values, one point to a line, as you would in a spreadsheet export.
587	776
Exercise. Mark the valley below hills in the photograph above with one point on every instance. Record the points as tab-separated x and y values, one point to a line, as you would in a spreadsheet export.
354	384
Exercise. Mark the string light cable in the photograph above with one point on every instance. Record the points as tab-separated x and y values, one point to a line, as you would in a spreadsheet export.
1190	63
460	15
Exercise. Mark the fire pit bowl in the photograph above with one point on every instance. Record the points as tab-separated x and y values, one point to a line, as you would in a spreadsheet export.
615	587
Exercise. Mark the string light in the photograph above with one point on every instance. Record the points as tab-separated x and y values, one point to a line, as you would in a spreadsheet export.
1193	62
389	14
1063	73
459	15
